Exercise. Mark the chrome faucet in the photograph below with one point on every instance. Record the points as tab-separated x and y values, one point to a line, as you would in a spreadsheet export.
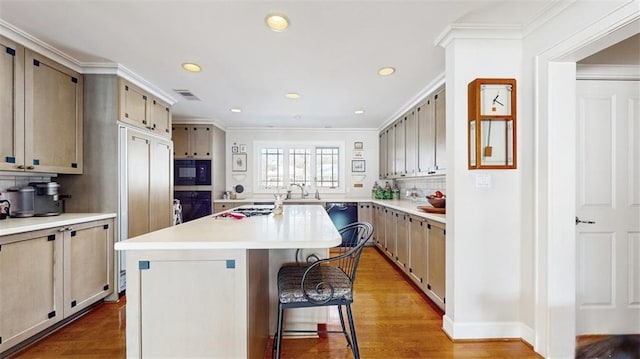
303	193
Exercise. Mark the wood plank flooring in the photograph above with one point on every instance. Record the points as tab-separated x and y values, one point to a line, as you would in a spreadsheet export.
393	320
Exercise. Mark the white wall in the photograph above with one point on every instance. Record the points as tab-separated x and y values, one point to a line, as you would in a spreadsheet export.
510	271
369	137
483	224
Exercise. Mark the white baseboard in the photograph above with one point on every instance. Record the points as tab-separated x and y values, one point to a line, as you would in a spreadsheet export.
487	330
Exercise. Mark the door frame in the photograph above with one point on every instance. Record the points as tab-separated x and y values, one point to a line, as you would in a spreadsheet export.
555	128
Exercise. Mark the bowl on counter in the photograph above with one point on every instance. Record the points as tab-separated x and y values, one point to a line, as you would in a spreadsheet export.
437	202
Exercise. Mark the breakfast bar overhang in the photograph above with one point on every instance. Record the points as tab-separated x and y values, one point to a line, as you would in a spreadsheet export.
201	289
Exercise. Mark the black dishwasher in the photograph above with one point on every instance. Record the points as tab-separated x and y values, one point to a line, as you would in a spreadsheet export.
342	214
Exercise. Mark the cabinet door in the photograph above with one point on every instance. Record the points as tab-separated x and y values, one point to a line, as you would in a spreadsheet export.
426	136
411	148
53	116
418	251
30	285
219	207
160	115
180	135
134	105
390	232
138	171
384	172
88	260
402	240
161	186
437	256
161	282
200	142
391	151
440	130
365	214
400	147
11	105
378	226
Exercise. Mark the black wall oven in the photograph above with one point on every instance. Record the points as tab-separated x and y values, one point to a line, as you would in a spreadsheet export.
192	173
195	204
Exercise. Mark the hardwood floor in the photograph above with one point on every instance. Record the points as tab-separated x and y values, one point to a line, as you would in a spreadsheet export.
393	320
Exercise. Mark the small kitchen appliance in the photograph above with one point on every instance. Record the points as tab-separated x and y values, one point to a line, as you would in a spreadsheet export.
22	201
46	200
192	173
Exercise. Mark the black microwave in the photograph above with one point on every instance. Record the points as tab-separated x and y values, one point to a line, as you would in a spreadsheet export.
192	173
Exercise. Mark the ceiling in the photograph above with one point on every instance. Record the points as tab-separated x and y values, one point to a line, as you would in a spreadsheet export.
330	54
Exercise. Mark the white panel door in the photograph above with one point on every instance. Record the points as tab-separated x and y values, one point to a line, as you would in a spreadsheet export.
608	193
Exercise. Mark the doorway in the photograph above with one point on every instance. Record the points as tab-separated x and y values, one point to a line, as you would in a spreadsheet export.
608	206
555	317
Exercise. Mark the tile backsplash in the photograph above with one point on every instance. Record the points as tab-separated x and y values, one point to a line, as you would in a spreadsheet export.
424	185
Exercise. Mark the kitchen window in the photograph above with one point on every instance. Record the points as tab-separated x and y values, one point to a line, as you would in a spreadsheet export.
271	167
314	166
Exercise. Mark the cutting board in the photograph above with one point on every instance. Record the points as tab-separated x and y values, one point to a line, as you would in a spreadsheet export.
430	209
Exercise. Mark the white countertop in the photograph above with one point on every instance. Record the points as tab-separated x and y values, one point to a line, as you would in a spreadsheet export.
405	205
20	225
304	226
411	207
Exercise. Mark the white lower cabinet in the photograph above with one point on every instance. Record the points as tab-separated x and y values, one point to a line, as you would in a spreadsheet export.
418	248
48	275
231	306
31	285
417	245
378	226
88	264
390	221
436	262
402	240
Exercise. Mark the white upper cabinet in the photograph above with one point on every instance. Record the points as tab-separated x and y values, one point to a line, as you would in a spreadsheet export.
415	144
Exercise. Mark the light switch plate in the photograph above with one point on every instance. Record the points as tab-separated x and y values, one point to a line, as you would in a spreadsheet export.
483	180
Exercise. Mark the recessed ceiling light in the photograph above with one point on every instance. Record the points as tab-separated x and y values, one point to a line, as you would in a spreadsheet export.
235	110
358	112
191	67
277	22
292	95
386	71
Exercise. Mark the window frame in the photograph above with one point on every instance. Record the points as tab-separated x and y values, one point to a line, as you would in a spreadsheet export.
285	146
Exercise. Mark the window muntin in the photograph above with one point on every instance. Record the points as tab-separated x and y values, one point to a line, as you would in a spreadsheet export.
327	167
300	166
281	165
271	167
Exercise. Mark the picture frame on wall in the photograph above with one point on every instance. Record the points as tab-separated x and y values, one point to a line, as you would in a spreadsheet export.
234	149
358	154
239	162
357	166
243	148
357	145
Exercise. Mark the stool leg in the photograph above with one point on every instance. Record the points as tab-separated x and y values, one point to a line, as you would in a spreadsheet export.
352	327
278	338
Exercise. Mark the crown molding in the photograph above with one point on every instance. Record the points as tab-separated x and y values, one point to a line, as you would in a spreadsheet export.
125	73
31	42
27	40
435	84
479	32
294	129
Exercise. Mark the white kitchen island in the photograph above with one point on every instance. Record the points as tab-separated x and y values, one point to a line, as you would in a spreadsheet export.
201	289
